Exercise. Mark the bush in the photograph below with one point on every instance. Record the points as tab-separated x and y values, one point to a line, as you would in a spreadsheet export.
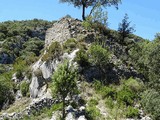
98	55
93	113
134	85
6	87
126	96
81	58
109	103
108	92
132	112
54	51
24	87
87	24
93	102
97	85
19	74
70	45
151	103
29	73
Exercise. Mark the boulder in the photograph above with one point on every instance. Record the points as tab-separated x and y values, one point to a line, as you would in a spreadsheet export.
70	116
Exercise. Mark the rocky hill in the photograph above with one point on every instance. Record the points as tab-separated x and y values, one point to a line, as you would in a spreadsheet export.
109	85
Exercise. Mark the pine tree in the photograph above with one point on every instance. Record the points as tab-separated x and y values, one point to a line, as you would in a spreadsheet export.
124	28
64	82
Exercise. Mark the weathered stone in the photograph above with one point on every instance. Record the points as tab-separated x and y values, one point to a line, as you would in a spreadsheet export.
34	87
82	118
69	109
18	95
70	116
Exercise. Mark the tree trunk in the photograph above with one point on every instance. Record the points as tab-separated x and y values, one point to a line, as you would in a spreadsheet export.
83	11
63	111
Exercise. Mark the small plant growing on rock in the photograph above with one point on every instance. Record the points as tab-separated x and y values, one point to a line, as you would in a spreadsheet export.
81	58
70	45
24	87
54	51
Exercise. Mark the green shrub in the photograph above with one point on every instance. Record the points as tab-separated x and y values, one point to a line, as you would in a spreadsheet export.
97	85
87	24
24	87
81	58
70	45
108	92
98	55
6	88
105	91
54	51
132	112
29	73
20	66
109	102
93	102
19	74
93	113
151	103
126	96
56	107
134	85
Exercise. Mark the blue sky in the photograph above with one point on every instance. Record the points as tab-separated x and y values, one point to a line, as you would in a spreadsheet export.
142	13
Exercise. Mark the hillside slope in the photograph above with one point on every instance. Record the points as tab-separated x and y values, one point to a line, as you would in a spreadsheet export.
109	84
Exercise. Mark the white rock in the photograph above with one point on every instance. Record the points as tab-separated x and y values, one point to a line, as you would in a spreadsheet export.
146	118
18	95
69	108
82	118
47	70
70	116
82	108
34	87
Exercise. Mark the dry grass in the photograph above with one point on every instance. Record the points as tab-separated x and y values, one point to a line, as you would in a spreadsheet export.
18	106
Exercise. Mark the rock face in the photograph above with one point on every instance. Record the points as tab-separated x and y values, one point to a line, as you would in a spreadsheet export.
42	72
61	31
67	28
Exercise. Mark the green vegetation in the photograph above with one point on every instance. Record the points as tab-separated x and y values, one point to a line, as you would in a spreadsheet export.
22	38
93	113
151	102
81	58
54	51
132	112
24	87
6	94
64	82
119	99
20	46
125	29
70	45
